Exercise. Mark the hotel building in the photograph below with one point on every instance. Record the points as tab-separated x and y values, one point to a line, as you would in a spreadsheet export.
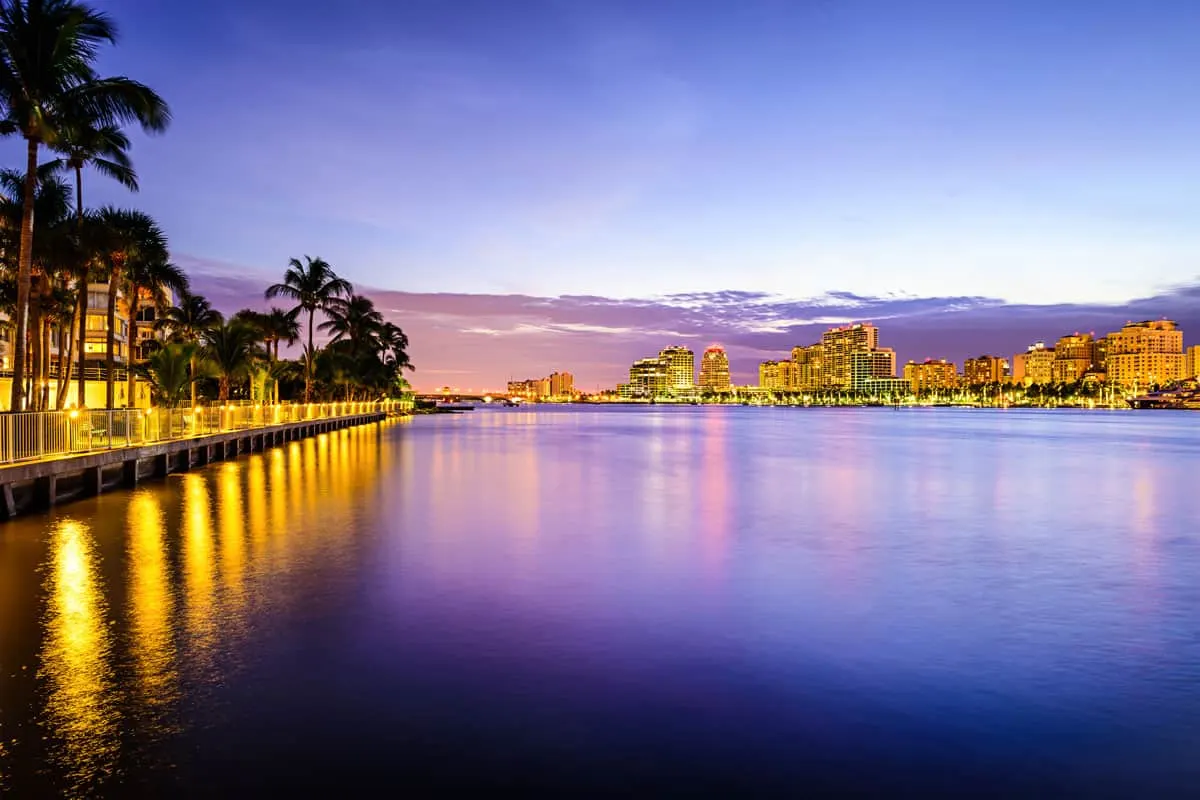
867	365
778	376
807	363
714	370
985	369
647	378
1035	365
1192	361
1074	357
838	346
680	364
1144	354
930	374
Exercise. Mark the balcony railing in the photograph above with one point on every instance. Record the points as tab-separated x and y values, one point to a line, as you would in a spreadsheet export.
39	435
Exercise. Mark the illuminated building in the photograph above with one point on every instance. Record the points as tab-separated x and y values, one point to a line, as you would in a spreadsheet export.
985	369
1192	361
777	376
808	361
887	387
838	345
869	364
680	363
1035	365
1074	356
1145	354
562	384
768	375
714	370
930	374
647	378
788	376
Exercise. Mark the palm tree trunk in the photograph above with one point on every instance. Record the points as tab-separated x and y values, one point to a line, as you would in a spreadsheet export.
81	301
110	338
66	352
81	312
24	273
133	314
308	361
44	399
35	354
193	376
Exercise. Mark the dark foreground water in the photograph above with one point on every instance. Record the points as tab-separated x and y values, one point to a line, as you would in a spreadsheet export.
688	600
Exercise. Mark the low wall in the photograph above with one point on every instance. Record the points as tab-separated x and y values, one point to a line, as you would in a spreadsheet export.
39	485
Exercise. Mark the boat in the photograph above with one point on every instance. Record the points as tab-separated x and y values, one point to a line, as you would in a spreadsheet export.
1185	396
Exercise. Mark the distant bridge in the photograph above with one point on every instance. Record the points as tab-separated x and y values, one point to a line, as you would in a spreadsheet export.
463	397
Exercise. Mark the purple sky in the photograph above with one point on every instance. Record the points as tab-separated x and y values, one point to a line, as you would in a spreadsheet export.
751	170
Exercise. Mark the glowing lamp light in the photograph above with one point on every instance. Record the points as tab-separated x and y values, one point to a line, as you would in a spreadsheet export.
74	413
195	409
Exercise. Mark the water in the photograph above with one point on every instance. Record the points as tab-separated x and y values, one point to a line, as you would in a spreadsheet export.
684	599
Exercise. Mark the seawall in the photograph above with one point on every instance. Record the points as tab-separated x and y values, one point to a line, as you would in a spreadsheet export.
40	485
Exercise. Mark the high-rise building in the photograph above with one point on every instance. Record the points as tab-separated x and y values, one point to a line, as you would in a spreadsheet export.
1035	365
807	361
714	369
838	344
680	363
777	376
1192	362
648	378
562	384
868	364
1144	354
985	369
930	374
768	375
1074	357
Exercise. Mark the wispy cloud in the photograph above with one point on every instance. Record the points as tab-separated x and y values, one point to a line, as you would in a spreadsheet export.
485	339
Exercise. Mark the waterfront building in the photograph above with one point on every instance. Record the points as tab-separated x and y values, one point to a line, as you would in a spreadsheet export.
562	384
1192	361
1035	365
839	345
680	363
648	378
985	369
930	374
1144	354
768	375
866	365
892	387
807	363
1074	357
714	370
787	375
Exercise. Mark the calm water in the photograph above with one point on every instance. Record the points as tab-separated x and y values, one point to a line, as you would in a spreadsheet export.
685	599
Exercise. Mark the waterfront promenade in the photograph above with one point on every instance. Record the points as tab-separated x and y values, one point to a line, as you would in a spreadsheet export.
49	457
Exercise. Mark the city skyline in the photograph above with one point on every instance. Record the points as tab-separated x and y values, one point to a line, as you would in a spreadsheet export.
483	342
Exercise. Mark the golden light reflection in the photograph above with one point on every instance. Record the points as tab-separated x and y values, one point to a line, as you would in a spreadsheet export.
232	541
81	707
198	563
256	506
151	605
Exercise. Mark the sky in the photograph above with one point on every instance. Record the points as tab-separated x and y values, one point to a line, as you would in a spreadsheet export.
537	186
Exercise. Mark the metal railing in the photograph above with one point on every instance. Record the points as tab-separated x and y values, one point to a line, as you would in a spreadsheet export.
37	435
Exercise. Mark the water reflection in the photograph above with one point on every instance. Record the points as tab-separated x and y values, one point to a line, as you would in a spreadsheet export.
80	706
151	607
199	584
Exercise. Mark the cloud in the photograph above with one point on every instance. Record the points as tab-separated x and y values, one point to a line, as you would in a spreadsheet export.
483	340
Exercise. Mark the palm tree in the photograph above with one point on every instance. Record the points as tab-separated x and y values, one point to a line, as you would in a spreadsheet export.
354	320
48	49
312	284
229	349
159	279
105	149
134	240
169	372
187	321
